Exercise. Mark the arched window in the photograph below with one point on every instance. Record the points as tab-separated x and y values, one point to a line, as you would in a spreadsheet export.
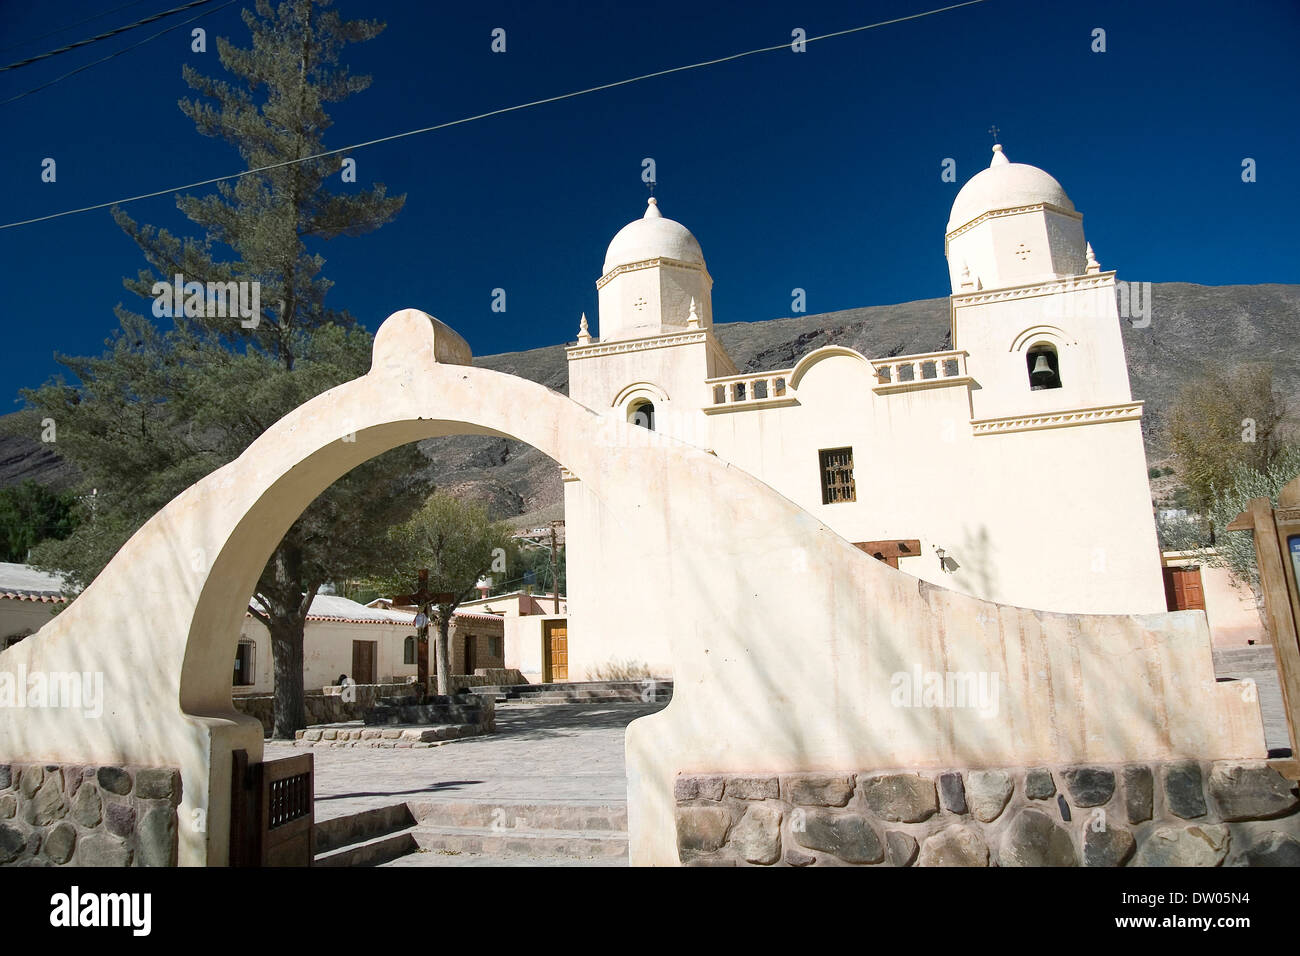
408	650
1044	367
643	414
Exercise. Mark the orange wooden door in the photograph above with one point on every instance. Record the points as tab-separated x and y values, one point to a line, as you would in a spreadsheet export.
557	641
1183	589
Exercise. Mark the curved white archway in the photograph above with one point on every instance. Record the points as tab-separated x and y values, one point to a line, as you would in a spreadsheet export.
730	572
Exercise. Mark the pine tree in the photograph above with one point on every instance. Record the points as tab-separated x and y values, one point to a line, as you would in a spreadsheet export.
161	409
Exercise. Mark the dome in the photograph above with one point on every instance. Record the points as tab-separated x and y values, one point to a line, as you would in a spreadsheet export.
1005	185
652	237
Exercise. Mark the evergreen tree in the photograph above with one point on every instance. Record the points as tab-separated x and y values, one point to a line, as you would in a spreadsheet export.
29	514
162	408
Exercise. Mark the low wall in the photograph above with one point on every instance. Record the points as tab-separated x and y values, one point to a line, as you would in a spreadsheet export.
331	706
52	814
1181	813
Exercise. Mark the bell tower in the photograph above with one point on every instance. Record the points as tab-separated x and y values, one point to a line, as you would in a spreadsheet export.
1030	304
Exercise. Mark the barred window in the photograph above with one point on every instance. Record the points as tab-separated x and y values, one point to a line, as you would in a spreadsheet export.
837	475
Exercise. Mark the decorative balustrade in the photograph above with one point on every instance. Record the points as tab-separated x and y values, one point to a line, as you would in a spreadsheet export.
911	371
766	389
751	389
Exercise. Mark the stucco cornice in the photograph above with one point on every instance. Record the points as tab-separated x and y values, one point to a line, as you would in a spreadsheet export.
598	349
655	263
1013	211
1126	412
1053	286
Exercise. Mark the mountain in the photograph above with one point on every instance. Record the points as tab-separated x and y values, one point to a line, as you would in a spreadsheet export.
1189	326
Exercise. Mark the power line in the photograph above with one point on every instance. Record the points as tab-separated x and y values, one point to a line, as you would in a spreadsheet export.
128	49
133	3
469	119
103	36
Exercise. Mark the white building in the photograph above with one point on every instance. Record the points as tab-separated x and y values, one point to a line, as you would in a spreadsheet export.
372	644
28	599
1010	467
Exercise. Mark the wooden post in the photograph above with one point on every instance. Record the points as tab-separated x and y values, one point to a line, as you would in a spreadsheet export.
1277	581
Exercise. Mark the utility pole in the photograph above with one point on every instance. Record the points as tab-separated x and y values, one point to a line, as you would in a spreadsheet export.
555	570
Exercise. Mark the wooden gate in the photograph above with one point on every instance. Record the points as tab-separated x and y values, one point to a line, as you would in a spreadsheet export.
272	814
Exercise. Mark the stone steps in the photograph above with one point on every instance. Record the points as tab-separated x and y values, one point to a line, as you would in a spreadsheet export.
588	697
477	833
369	838
519	814
660	691
437	858
373	852
526	844
401	737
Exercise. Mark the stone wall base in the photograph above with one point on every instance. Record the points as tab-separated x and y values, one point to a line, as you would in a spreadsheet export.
401	738
55	815
1183	813
331	705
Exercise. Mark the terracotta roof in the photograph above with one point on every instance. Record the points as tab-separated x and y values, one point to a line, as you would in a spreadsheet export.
473	616
339	610
22	582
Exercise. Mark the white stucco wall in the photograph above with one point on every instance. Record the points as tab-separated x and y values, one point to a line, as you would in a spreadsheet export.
735	573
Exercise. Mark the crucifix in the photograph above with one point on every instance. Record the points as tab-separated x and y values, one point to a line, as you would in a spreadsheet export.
994	131
424	599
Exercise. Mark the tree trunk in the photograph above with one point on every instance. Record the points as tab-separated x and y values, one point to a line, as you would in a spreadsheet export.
287	653
443	658
286	600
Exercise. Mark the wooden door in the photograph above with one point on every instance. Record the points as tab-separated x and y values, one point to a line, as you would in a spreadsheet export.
557	651
471	655
363	661
1183	590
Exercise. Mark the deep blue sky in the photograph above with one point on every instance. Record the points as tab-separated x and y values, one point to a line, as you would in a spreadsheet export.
819	170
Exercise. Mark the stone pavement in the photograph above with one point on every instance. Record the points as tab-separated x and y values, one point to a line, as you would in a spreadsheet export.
542	752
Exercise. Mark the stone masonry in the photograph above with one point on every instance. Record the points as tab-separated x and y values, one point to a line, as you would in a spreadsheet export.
330	706
1185	813
52	815
399	723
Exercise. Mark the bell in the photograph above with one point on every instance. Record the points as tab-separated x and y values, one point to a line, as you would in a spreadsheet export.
1042	375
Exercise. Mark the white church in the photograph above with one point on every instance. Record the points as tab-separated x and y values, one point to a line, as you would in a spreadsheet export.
1010	467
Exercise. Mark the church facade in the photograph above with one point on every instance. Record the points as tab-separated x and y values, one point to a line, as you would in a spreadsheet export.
1010	466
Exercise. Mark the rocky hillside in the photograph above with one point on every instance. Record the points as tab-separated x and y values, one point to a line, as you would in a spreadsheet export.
1190	324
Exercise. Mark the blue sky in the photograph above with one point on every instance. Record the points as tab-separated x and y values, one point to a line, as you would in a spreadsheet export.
819	170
